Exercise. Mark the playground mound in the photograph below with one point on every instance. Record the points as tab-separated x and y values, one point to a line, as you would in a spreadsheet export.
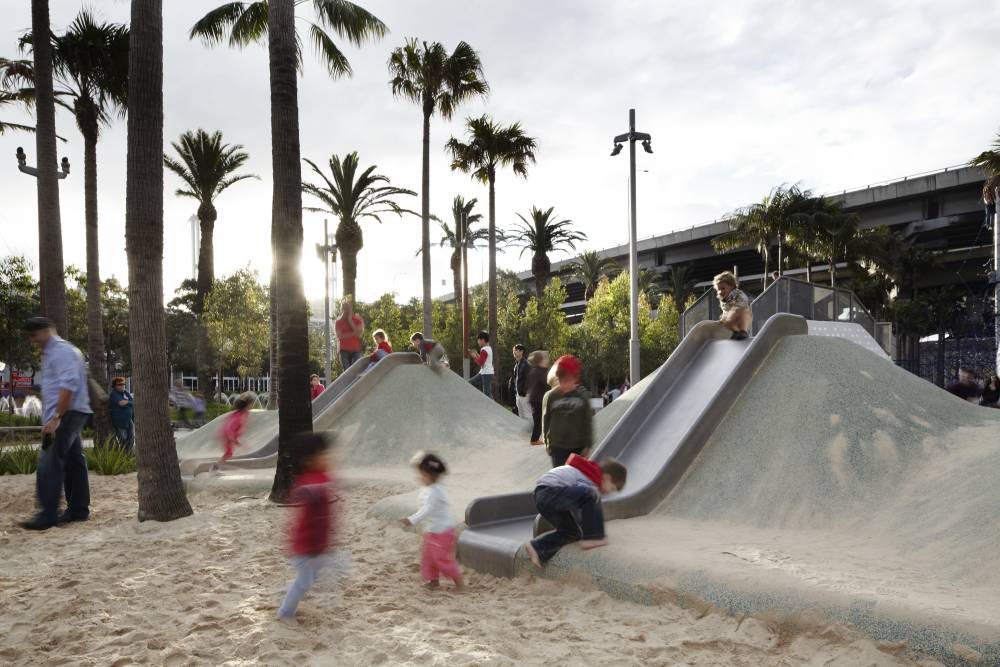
838	487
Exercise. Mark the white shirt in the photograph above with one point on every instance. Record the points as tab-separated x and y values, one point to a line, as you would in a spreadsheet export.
436	510
487	367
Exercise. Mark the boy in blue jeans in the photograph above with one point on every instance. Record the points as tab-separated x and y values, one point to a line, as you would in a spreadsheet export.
570	491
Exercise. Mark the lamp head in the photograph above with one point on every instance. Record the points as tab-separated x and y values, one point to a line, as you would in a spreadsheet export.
646	145
22	159
64	164
617	149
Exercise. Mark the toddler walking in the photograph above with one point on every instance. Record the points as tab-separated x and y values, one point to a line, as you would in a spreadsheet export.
438	555
236	422
312	520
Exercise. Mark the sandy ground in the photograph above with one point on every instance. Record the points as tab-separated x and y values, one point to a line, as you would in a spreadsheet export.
204	590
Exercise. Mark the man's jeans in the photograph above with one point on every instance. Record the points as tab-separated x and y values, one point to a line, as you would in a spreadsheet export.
347	359
126	435
484	383
61	466
560	506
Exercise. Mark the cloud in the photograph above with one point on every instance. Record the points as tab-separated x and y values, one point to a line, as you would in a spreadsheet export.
739	97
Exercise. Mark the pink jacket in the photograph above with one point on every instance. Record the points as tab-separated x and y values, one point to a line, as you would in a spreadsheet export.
235	423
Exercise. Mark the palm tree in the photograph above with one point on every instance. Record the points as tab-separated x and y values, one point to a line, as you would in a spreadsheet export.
542	235
989	162
91	62
207	166
830	233
50	251
425	73
243	23
490	146
649	284
680	285
161	492
351	197
10	97
764	224
590	268
461	211
294	406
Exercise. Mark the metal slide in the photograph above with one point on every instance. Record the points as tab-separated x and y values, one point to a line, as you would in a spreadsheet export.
200	449
657	438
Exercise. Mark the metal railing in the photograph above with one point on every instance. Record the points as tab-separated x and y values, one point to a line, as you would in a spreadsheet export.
798	297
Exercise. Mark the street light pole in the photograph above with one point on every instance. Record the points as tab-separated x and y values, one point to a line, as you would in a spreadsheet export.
463	252
633	261
328	253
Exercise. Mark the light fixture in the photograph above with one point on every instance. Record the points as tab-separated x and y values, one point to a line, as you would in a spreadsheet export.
646	146
617	150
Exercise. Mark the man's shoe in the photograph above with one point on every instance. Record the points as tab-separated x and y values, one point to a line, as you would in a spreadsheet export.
66	517
34	524
740	335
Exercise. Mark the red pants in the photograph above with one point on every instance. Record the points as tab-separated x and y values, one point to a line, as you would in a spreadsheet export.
438	556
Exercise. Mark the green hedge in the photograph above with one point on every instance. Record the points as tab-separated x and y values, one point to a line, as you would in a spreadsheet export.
111	459
18	460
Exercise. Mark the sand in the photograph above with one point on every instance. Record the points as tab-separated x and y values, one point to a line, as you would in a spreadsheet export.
203	590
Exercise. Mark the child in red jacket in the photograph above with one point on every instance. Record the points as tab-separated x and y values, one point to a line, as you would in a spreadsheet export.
312	521
232	429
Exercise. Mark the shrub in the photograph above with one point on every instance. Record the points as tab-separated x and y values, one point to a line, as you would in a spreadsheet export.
18	460
110	459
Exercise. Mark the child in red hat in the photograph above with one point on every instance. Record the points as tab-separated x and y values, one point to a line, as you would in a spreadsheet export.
567	418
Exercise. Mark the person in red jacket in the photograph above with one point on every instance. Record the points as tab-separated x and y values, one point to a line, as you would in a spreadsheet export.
570	491
312	525
232	430
315	387
383	347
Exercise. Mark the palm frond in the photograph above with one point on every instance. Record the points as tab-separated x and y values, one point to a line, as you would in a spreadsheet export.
335	61
213	27
350	21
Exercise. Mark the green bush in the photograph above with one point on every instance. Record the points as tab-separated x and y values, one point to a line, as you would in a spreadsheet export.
18	460
7	419
109	459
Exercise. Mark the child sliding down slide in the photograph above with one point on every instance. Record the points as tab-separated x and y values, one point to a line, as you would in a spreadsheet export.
736	315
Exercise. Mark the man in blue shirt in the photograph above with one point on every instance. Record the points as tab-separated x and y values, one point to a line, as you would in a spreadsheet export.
65	410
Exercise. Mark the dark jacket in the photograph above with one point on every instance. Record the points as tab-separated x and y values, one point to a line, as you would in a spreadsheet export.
121	416
537	384
568	420
519	380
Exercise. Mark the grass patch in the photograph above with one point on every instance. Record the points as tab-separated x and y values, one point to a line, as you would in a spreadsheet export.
18	460
110	459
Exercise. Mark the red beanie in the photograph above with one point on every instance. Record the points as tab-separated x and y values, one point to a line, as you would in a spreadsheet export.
568	365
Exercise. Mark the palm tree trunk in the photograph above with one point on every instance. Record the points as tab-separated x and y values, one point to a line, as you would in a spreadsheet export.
295	408
95	315
50	251
456	275
161	493
425	222
349	266
204	357
492	315
272	392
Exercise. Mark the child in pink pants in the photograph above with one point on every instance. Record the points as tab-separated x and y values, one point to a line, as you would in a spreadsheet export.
440	538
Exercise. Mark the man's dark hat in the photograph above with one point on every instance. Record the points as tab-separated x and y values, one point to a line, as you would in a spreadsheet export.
37	324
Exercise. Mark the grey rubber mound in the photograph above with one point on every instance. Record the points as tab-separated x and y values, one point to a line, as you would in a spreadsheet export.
416	408
828	436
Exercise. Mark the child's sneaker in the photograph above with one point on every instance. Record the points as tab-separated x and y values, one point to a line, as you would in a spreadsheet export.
739	335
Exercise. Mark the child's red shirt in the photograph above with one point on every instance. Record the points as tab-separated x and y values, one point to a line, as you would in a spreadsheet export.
313	520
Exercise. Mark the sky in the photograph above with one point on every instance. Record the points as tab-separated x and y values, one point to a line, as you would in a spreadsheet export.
739	97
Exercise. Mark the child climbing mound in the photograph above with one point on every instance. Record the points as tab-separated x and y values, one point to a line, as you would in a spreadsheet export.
438	556
312	520
430	351
736	315
570	491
